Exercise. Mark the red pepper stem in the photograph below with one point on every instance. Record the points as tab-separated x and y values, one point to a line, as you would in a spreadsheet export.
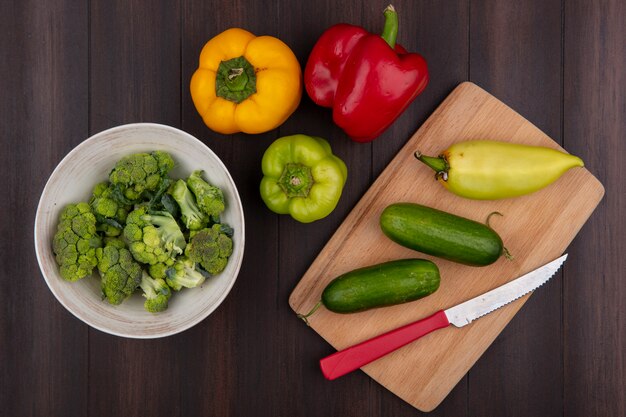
440	165
390	30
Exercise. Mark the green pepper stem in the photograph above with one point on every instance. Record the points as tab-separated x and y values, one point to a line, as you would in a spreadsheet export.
304	317
439	164
296	180
390	30
235	80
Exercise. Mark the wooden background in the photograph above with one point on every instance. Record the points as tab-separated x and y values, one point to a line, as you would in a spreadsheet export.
69	69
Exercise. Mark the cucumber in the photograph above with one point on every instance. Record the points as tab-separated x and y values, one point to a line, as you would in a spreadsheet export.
441	234
381	285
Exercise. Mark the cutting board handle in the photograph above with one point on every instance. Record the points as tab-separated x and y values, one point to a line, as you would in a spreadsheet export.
354	357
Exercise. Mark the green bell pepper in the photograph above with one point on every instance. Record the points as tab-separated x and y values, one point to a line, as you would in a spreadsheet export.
302	177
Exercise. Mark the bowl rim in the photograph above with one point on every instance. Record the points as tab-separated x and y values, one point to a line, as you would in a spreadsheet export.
39	246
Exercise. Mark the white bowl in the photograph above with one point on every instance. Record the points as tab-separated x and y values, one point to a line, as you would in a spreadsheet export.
73	180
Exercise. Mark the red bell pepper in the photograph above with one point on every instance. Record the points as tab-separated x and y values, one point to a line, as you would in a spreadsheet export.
368	80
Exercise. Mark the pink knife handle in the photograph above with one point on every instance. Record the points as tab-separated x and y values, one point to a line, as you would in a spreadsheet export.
352	358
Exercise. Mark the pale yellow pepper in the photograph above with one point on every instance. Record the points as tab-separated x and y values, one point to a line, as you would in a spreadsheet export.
246	83
492	170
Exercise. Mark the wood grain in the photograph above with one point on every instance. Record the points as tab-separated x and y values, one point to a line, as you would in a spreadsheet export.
506	35
235	347
43	114
440	43
594	292
70	69
134	77
537	228
298	243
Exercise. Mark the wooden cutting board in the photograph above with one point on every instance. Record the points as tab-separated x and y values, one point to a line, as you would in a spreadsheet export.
536	229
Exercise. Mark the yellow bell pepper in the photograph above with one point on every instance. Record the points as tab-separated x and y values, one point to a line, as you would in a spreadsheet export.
246	83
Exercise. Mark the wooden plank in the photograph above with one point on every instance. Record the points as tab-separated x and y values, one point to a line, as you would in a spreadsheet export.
43	106
594	294
515	53
134	77
298	243
538	229
135	63
236	345
441	35
252	357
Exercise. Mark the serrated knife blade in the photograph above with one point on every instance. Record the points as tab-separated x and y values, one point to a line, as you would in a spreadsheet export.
352	358
464	313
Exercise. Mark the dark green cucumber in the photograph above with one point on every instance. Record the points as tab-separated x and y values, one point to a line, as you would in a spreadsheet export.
441	234
381	285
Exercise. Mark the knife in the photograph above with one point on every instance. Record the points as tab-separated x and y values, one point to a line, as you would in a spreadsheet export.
352	358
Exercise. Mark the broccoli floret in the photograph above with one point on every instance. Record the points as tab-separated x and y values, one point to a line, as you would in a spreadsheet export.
157	293
140	173
210	198
164	161
102	202
120	274
75	242
153	238
110	213
192	217
184	274
211	248
157	271
114	241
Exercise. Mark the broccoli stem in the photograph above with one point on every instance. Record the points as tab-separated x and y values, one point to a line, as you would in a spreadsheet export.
168	230
193	218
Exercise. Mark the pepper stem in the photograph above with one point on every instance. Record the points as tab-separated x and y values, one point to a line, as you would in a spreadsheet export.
296	180
439	164
234	73
235	80
390	30
304	317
